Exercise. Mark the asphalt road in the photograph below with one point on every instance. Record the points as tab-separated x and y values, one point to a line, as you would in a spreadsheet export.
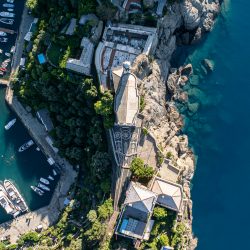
24	28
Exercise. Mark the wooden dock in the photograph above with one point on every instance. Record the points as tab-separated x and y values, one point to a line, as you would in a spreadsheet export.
7	30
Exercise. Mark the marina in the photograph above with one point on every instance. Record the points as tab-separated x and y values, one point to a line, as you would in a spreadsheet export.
23	169
10	18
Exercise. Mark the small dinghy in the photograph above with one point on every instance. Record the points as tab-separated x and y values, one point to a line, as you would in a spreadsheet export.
54	172
51	178
37	190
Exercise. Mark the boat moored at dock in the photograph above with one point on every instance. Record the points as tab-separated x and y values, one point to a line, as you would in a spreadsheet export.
10	124
15	197
6	203
2	33
7	21
6	14
26	146
43	187
8	5
37	190
51	178
54	172
44	181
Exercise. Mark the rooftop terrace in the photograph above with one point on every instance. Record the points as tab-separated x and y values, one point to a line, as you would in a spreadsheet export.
120	43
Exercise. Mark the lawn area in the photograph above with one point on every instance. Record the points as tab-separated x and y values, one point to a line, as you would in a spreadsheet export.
55	52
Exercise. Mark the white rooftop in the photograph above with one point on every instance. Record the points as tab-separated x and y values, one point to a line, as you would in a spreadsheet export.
140	198
126	100
169	194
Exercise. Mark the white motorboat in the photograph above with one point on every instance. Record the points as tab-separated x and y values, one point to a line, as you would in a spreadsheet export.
26	146
10	10
51	178
6	203
6	14
12	50
2	33
3	39
8	5
7	21
54	172
10	1
43	187
15	196
10	124
37	190
45	181
7	54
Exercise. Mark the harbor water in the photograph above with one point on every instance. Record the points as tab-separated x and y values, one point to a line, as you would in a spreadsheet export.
25	168
219	131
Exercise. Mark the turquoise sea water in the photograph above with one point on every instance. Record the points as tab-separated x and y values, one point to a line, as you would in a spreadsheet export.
220	131
25	168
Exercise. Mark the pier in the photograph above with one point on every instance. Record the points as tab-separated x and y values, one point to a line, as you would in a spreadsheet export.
8	31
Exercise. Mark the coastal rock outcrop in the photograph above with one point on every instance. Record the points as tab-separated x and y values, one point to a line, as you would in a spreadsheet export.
161	86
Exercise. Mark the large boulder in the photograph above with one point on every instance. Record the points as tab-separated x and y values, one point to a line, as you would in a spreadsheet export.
187	70
190	14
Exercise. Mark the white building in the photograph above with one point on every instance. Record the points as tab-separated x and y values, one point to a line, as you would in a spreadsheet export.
120	43
83	64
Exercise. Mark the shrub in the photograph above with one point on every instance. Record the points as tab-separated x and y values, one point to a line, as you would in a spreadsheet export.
145	131
139	169
164	240
169	155
160	213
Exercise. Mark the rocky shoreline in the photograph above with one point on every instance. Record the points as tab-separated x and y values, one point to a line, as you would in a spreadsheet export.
185	23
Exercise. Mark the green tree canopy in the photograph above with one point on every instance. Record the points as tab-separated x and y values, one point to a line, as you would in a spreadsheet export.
106	209
140	170
160	213
105	105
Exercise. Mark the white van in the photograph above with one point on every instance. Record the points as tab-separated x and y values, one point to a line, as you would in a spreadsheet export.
22	62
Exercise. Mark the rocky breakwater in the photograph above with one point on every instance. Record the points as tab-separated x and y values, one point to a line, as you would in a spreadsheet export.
160	86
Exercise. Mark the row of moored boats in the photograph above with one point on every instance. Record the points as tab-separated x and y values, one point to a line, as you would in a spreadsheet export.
11	200
43	185
6	17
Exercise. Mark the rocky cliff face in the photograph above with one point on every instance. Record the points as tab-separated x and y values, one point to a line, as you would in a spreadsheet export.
185	22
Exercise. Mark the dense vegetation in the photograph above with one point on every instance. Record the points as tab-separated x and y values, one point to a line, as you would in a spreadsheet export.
140	171
80	114
78	110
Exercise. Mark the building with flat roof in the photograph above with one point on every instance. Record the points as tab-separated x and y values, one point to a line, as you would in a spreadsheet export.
83	64
120	43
